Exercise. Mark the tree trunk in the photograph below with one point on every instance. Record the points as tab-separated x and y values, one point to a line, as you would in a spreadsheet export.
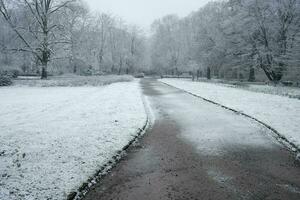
252	75
74	69
44	61
208	75
198	74
45	44
100	60
112	68
44	72
120	66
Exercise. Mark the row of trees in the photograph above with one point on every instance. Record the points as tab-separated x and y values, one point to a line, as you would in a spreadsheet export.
232	39
64	36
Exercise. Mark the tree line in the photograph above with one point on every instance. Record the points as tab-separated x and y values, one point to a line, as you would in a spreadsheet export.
59	36
235	39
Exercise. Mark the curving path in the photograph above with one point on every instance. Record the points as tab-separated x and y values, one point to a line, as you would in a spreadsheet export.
197	150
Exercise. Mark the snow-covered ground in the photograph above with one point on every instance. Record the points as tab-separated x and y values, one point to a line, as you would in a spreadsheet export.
291	92
53	139
281	113
71	80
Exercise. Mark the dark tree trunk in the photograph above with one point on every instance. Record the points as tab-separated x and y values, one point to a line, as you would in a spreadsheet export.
44	72
44	61
208	73
100	60
273	75
74	69
120	66
198	74
112	68
252	75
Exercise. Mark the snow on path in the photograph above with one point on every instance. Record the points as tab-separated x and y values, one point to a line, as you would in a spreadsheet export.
53	139
282	113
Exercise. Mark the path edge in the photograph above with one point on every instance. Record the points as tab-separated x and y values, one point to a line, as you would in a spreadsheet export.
277	135
112	163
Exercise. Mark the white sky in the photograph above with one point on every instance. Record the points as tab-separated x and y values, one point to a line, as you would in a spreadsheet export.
144	12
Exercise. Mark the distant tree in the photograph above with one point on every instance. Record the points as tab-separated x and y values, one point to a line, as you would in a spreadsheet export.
73	19
270	26
230	36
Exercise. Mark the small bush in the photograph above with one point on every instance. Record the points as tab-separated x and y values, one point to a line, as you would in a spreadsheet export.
287	83
5	81
98	73
140	75
12	73
86	72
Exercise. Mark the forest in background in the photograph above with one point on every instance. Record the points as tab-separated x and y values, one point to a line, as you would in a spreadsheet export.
237	39
55	36
249	40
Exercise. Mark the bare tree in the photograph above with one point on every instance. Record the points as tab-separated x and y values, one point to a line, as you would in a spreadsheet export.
43	12
232	38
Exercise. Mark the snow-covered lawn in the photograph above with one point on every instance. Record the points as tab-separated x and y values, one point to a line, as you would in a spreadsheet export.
53	139
291	92
71	80
282	113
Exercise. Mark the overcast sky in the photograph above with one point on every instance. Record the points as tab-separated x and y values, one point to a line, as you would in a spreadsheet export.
144	12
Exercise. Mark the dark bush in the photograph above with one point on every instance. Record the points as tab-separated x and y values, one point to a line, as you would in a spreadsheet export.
5	81
15	73
12	73
287	83
140	75
86	72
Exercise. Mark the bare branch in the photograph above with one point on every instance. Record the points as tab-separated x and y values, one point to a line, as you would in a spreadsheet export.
33	13
56	8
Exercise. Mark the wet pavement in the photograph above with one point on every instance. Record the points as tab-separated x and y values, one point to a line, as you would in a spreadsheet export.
197	150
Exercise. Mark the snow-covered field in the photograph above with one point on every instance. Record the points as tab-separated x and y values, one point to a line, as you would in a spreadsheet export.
282	113
291	92
53	139
71	80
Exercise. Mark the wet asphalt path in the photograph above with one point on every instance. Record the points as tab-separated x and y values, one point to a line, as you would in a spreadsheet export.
196	150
